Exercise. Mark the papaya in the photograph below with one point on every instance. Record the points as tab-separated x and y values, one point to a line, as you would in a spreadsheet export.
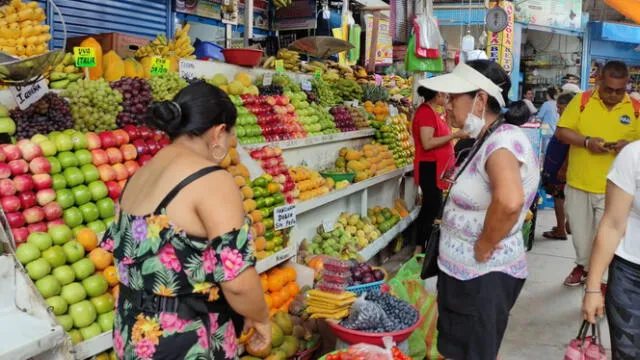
132	68
174	63
146	66
97	71
113	65
353	155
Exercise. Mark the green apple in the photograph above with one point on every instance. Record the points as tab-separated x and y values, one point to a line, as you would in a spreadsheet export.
67	159
60	234
26	253
73	293
55	256
97	226
103	303
58	182
39	138
83	268
40	239
7	125
37	269
89	212
74	251
84	157
48	148
58	304
65	321
64	197
83	313
107	208
106	320
79	141
98	190
63	142
90	331
74	176
90	172
76	336
56	167
53	135
48	286
95	285
64	274
81	194
107	222
69	132
72	216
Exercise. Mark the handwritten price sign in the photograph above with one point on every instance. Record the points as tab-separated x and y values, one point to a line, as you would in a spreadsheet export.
84	56
159	66
284	217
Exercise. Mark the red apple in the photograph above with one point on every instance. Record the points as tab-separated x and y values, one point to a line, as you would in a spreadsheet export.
158	134
144	159
33	215
122	137
164	142
114	190
56	222
42	181
132	131
107	139
52	211
145	132
23	183
99	157
29	150
7	187
129	152
40	165
37	227
20	235
141	146
121	172
27	199
3	157
10	203
5	171
93	140
106	172
122	184
132	166
114	155
11	152
15	219
45	196
18	167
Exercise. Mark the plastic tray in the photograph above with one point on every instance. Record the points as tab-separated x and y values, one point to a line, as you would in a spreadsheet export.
355	337
366	288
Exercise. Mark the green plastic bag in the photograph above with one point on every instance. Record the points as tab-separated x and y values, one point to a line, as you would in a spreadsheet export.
414	63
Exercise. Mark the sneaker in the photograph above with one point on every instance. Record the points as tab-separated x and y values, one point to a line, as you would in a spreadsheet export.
577	277
603	289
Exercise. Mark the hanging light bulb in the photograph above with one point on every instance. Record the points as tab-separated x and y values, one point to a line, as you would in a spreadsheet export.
468	41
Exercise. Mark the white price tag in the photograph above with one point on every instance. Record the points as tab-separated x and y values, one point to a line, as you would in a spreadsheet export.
267	79
327	226
393	111
25	96
284	217
354	103
305	85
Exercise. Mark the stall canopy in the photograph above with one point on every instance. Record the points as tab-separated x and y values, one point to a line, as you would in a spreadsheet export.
628	8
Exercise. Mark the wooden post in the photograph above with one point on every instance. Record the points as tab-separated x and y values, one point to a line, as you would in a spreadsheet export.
371	66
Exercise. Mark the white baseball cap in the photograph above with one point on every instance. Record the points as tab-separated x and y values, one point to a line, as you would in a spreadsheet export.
464	79
571	88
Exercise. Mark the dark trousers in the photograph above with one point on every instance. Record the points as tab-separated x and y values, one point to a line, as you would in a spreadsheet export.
431	201
473	314
623	309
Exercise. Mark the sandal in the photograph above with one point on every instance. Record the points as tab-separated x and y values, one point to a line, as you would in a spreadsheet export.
553	235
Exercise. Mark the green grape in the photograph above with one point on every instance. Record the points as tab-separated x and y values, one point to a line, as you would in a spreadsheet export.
166	86
94	105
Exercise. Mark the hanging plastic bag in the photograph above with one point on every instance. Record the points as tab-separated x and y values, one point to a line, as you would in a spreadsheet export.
414	63
366	315
428	37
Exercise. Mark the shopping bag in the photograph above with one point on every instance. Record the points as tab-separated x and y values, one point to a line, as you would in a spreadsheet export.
428	37
585	347
413	63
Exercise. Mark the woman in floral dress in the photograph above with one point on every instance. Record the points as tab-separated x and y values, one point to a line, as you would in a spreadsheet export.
182	245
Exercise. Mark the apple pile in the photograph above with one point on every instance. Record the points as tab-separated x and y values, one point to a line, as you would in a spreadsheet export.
343	119
275	116
71	284
147	142
271	161
26	193
247	128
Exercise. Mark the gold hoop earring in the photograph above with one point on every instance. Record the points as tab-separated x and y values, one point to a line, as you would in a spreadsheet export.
217	155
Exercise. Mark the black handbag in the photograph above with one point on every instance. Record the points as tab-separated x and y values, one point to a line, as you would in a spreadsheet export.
432	247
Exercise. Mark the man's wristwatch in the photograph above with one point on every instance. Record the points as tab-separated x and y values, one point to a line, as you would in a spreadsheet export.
586	141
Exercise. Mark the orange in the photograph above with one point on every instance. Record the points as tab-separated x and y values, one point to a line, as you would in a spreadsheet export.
285	293
256	216
101	258
263	281
289	274
235	156
260	243
111	274
273	188
115	291
244	171
247	192
275	282
277	300
249	205
88	239
267	299
226	161
293	289
240	181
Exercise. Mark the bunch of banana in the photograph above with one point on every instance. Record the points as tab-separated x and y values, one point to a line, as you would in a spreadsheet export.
65	73
290	58
313	66
360	73
269	63
161	46
345	71
331	75
182	43
281	3
21	31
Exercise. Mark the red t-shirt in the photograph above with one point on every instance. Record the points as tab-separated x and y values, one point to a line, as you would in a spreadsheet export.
426	116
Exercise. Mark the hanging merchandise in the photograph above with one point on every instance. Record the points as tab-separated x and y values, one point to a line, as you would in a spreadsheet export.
429	38
500	44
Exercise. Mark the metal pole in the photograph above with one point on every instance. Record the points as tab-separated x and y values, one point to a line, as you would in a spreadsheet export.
248	21
228	34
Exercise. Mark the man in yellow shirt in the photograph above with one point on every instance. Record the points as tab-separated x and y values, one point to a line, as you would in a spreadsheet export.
597	125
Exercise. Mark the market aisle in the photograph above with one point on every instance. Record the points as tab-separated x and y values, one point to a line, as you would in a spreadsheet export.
547	314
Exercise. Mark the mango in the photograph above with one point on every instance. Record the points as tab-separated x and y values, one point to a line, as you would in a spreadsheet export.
113	66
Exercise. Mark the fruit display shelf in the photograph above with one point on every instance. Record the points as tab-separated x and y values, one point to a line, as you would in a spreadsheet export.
386	238
277	258
94	346
316	140
349	190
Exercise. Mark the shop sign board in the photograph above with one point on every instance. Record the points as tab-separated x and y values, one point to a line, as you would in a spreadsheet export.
500	44
565	14
384	46
284	217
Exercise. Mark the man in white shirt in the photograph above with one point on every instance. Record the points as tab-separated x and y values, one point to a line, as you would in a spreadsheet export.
528	99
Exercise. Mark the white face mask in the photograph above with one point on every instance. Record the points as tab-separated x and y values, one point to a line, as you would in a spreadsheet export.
473	124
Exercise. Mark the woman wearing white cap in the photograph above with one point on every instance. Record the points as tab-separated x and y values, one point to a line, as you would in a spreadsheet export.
482	255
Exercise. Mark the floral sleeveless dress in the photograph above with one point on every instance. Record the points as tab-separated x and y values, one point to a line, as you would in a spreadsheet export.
154	256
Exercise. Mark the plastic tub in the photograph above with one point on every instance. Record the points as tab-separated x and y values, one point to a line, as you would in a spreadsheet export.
355	337
207	50
242	57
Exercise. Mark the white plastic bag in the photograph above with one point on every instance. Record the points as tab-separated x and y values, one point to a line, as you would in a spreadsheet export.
427	33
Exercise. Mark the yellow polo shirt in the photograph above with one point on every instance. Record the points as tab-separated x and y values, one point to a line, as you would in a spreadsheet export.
587	171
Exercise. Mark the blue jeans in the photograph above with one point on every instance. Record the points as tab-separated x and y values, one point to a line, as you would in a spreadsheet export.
623	309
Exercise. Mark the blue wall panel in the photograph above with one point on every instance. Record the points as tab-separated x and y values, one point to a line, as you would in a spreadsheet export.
145	18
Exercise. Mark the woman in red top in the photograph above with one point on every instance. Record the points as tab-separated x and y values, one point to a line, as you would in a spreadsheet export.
434	150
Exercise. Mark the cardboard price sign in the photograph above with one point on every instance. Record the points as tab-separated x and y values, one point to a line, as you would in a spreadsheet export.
284	217
84	56
267	79
159	65
25	96
306	85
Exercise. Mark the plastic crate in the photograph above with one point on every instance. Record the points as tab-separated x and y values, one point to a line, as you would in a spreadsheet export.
366	288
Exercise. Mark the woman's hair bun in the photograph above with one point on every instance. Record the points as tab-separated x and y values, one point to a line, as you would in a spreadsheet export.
518	113
166	116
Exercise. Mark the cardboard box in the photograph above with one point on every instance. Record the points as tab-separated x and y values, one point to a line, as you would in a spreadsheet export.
123	44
